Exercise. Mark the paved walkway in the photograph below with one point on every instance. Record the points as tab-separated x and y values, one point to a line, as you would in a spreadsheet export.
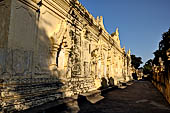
141	97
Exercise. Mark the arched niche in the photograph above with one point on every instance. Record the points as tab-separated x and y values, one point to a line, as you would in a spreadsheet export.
60	49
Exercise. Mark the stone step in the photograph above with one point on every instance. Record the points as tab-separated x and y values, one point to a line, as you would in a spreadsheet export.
93	96
129	83
122	87
93	100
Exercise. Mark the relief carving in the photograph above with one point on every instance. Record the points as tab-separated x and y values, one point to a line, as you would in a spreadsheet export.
86	69
16	62
76	52
75	60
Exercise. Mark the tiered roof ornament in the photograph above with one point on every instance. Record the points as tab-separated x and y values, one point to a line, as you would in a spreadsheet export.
101	22
123	48
129	52
115	36
117	32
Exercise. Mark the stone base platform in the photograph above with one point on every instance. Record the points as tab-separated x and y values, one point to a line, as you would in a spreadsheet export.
70	104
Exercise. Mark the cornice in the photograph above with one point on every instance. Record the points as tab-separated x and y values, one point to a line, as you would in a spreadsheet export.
31	3
57	7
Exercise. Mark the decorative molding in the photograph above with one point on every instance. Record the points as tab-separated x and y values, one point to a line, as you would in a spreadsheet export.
31	3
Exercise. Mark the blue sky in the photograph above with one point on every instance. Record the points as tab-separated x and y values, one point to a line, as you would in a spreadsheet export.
140	22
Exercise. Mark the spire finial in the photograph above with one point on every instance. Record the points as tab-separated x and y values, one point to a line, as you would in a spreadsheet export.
117	31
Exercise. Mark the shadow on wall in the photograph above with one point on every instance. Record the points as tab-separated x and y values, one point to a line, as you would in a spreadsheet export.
134	75
111	81
107	83
104	83
27	81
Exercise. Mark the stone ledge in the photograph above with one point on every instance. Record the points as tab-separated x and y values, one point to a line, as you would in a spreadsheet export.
93	100
129	83
93	96
122	87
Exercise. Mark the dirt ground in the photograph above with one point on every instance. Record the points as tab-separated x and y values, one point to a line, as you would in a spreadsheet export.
141	97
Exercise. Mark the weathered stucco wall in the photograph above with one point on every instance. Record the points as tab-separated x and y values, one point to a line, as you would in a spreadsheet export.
5	9
55	49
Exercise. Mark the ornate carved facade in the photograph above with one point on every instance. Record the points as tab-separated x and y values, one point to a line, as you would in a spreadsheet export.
52	49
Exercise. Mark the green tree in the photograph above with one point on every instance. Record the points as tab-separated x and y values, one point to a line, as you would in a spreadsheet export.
147	68
136	61
164	45
157	54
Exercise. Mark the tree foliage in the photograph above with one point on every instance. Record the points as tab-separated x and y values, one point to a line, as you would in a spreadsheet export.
136	61
147	68
164	45
157	54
